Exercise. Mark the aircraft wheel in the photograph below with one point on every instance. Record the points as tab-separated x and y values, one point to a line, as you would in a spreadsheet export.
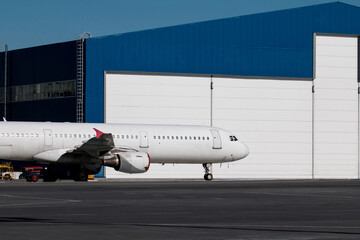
81	176
208	176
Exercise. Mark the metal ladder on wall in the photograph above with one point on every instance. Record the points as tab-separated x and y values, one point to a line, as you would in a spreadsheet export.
80	76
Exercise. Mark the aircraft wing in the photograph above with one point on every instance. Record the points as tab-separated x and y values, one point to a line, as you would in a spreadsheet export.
95	147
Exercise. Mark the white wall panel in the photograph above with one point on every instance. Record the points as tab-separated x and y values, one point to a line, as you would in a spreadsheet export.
337	51
274	118
337	41
337	61
157	99
333	72
336	108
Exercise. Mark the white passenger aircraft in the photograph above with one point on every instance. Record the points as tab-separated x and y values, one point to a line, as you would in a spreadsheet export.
83	148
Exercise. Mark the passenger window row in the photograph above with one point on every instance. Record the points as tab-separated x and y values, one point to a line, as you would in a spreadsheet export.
78	135
181	138
19	135
126	136
75	135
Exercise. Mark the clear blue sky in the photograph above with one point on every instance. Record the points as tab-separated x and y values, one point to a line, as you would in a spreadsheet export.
27	23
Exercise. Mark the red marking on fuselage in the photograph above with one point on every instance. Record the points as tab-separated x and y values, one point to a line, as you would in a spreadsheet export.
98	133
147	168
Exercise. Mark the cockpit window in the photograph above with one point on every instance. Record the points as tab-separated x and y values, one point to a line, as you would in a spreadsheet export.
233	138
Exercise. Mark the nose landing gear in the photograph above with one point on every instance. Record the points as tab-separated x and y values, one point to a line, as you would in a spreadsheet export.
208	171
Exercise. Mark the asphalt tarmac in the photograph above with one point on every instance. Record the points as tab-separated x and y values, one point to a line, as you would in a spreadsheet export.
165	209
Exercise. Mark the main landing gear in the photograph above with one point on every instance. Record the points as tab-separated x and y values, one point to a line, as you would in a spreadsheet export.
80	175
208	169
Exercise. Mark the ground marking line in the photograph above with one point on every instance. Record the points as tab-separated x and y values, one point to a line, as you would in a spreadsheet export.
39	198
302	195
241	226
27	204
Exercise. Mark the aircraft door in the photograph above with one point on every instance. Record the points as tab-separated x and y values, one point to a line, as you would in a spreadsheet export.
216	139
144	142
48	139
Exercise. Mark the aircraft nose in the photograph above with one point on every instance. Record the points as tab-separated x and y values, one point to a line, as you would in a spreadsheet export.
241	151
245	150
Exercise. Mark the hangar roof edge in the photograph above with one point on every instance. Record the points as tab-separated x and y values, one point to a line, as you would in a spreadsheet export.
335	3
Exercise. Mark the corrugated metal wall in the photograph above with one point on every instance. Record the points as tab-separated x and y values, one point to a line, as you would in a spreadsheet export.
49	63
274	44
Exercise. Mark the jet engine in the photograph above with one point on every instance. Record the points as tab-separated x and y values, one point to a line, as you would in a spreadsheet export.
128	162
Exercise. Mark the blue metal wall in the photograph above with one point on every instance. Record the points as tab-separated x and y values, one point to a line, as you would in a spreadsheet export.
49	63
54	110
274	44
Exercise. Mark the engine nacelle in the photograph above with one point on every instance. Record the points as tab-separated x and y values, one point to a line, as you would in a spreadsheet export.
128	162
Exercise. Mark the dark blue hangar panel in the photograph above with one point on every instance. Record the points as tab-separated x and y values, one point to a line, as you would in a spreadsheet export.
41	83
273	44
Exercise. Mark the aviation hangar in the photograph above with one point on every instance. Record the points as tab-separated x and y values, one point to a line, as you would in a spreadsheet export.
285	82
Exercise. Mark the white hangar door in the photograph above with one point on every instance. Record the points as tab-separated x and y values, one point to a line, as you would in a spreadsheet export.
273	118
336	107
157	99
